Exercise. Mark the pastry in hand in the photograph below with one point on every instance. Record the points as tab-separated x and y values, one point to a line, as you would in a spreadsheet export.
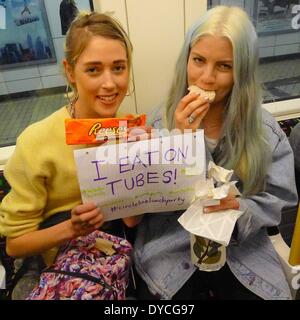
210	95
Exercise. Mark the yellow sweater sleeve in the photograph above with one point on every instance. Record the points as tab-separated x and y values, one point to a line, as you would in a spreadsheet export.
22	208
42	176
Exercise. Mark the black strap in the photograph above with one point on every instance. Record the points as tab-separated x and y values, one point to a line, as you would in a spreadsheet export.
55	219
83	276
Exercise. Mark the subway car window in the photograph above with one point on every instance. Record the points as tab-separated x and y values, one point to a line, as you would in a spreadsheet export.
32	84
277	24
32	33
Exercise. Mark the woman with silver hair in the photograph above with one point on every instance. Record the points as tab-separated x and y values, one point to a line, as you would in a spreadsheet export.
220	56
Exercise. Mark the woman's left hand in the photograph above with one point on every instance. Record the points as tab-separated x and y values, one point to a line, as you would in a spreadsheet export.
85	218
229	202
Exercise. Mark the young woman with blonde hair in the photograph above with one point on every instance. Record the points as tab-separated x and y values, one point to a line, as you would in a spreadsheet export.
42	172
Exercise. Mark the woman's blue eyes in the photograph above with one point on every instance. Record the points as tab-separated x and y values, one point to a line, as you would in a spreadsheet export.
119	68
226	66
91	70
198	60
115	69
222	66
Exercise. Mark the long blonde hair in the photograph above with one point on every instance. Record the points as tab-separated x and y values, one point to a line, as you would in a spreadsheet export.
245	148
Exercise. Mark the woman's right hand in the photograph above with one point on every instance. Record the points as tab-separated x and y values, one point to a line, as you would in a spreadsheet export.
190	105
86	218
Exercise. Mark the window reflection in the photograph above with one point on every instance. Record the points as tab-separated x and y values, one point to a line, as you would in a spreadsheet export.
279	44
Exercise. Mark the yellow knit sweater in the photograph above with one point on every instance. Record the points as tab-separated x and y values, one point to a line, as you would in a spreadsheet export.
42	175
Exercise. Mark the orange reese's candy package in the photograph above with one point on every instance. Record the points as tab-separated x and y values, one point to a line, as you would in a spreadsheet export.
92	131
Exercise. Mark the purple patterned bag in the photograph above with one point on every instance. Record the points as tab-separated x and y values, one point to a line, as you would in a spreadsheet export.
93	267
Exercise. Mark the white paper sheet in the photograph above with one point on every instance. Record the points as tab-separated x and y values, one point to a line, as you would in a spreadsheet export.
146	176
217	226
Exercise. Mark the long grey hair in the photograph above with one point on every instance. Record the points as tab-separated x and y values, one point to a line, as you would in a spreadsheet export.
245	148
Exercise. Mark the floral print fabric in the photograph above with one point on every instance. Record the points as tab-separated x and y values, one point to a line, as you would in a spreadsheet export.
81	256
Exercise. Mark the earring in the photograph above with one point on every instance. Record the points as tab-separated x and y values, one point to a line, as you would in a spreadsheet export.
67	94
71	95
72	100
130	93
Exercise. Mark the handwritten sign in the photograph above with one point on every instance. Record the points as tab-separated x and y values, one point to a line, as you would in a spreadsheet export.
156	175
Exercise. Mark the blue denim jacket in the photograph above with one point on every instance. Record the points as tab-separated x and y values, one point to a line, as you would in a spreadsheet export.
162	247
